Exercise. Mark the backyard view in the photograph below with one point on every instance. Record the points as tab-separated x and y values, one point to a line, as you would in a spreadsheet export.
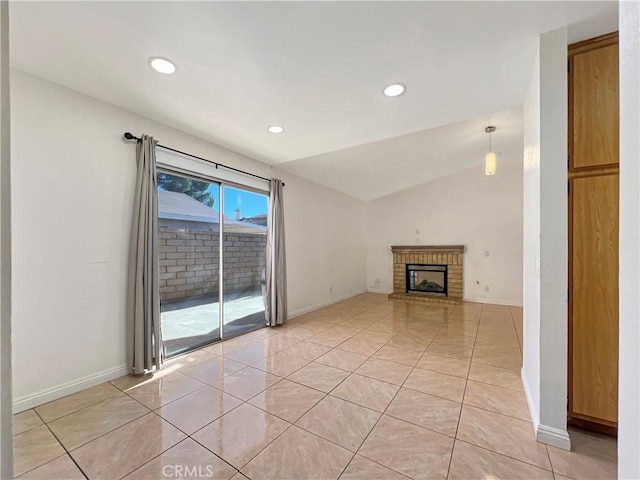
189	237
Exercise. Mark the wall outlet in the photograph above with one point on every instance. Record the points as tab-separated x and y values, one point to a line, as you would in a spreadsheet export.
376	281
487	253
486	288
417	239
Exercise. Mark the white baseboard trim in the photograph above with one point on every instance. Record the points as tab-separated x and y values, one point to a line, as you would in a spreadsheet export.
554	437
379	290
47	395
544	433
302	311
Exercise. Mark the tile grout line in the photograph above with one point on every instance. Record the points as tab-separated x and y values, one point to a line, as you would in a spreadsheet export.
367	436
67	451
290	424
463	395
189	436
502	454
325	394
402	386
63	447
173	446
383	414
499	453
104	433
513	322
79	409
546	447
243	402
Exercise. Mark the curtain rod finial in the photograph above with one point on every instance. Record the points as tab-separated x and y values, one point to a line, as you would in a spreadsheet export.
129	136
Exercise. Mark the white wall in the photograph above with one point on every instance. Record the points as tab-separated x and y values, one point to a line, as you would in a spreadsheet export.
484	213
629	353
6	418
553	236
531	236
545	314
72	195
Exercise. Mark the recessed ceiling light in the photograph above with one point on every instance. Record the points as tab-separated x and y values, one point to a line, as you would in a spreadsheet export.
162	65
275	129
394	90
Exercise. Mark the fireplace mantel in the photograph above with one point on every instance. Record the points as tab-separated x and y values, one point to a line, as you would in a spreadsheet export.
450	255
427	248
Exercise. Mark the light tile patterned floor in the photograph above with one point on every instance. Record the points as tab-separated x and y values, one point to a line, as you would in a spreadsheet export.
363	389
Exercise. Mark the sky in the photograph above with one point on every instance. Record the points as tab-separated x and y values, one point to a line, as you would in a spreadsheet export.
249	203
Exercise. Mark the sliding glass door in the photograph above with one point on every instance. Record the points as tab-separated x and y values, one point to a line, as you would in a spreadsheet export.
189	250
244	251
197	271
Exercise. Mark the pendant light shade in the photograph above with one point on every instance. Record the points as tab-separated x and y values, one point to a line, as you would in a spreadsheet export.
490	163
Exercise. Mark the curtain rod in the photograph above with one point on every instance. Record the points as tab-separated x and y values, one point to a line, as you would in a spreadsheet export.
131	136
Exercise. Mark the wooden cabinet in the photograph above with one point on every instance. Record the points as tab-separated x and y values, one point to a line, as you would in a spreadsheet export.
593	233
594	75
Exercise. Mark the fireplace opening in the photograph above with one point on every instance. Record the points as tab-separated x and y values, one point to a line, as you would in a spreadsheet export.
431	279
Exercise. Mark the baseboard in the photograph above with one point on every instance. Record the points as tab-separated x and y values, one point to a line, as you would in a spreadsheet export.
554	437
44	396
544	434
302	311
379	290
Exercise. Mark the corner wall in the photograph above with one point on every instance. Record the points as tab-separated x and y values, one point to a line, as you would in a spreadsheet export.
469	208
531	236
544	369
629	351
6	417
554	238
73	184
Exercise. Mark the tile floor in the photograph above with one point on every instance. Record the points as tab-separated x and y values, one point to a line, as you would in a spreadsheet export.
363	389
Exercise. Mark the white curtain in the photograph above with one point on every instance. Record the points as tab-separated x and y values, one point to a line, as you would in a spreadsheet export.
276	264
145	342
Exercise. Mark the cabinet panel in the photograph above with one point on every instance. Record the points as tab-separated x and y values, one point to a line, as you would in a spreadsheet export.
594	76
594	302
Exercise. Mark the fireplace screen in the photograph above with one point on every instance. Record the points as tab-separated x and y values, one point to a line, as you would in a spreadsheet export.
430	279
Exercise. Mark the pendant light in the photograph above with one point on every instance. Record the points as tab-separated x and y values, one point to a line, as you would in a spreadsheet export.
490	158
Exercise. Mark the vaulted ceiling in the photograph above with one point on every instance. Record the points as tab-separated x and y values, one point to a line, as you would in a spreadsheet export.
318	69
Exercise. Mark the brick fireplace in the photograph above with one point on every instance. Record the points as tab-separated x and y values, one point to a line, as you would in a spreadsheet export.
428	273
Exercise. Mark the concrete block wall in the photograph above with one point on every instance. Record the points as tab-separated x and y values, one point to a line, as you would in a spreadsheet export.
189	262
244	260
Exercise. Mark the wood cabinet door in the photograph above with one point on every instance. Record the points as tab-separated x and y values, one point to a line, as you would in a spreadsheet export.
595	108
594	299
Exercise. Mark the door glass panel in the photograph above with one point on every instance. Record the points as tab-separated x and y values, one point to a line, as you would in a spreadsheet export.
189	232
244	252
